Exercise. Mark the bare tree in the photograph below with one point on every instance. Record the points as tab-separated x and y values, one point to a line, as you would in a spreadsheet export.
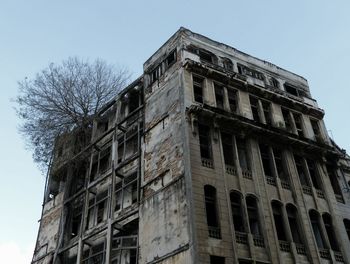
63	98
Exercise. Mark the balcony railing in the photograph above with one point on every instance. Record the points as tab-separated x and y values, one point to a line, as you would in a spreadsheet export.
258	241
285	184
320	193
247	174
284	246
271	180
324	253
231	170
214	232
307	190
338	256
207	163
301	250
241	237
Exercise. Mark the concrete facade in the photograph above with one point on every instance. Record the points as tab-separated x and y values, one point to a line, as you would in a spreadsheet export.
211	156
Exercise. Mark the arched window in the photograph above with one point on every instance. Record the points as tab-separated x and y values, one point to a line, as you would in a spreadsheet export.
278	219
347	227
294	223
253	215
237	212
211	211
327	220
315	223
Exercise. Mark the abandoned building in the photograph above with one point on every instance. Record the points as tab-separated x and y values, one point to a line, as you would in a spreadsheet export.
212	156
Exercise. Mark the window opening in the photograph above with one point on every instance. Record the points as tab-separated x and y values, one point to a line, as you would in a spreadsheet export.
219	95
316	129
171	59
265	158
253	216
327	220
97	210
236	208
126	192
232	100
198	89
242	153
101	162
316	229
293	223
217	260
205	141
254	104
287	120
278	219
94	254
211	211
227	146
267	111
313	174
298	124
347	227
301	171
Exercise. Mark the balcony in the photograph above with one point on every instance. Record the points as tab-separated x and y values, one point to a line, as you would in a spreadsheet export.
285	184
247	174
214	232
284	246
271	180
230	170
324	253
320	194
258	241
307	190
241	237
207	163
338	256
301	250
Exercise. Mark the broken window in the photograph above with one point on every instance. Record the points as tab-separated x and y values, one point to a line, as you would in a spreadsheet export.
74	218
126	192
298	124
227	63
274	82
211	211
156	73
102	126
205	141
278	219
78	179
198	89
204	55
250	72
327	220
219	95
347	227
236	208
68	256
101	162
94	253
316	130
294	90
124	248
128	144
232	100
254	105
97	210
217	260
293	223
260	113
228	148
280	165
253	215
170	59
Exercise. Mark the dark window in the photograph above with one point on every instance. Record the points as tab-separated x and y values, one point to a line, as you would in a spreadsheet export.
298	124
281	170
327	220
232	99
313	174
347	227
274	83
267	111
242	153
301	170
316	129
278	219
219	95
228	65
331	171
237	213
254	104
227	147
253	216
211	211
205	56
198	89
94	254
101	162
249	72
314	219
293	223
265	158
291	90
134	100
217	260
126	192
156	73
204	141
171	59
97	210
287	120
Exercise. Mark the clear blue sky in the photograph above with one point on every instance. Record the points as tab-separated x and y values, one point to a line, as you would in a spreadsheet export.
308	37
